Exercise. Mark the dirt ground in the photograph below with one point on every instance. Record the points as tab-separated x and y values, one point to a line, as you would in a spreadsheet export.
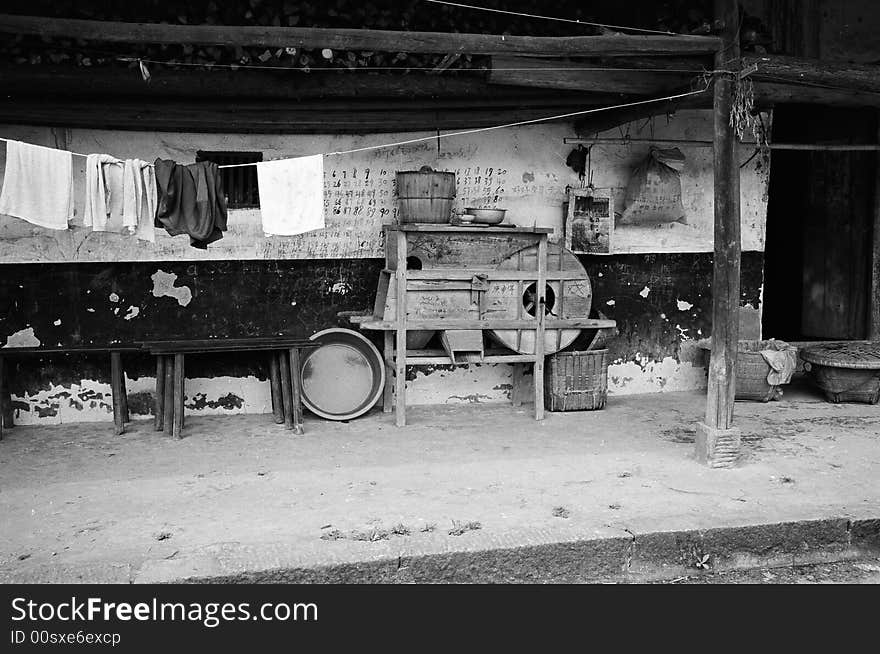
237	493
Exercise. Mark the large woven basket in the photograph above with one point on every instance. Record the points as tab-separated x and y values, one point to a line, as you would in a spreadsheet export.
576	381
751	374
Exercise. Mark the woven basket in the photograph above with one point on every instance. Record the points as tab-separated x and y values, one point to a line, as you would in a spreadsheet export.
576	381
751	373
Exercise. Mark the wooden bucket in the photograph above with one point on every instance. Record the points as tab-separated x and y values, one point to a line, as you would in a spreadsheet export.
425	196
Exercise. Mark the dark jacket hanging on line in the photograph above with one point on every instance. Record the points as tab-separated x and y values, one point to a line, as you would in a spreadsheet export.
191	201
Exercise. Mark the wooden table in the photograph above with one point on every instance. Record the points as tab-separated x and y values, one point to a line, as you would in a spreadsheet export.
846	371
117	374
284	376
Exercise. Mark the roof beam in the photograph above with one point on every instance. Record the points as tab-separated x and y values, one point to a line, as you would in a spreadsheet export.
356	39
587	76
102	84
831	75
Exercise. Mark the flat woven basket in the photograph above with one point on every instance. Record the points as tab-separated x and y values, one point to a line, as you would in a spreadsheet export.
576	381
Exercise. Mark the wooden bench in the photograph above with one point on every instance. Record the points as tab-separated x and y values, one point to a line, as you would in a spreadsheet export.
117	374
284	376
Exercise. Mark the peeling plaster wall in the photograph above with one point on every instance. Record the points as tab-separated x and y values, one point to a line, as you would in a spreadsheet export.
90	400
661	302
659	294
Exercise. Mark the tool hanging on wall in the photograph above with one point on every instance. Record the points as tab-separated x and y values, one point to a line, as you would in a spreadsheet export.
580	161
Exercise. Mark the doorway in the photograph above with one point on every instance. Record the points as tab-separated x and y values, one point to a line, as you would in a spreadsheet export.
817	257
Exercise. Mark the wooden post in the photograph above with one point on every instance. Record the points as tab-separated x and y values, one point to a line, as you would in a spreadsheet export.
178	395
286	392
117	388
168	420
541	292
874	301
159	421
717	441
275	386
400	356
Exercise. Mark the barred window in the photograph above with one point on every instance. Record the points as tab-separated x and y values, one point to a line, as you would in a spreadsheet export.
240	184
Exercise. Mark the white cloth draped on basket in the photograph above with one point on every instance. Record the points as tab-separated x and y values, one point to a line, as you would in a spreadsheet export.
291	195
38	185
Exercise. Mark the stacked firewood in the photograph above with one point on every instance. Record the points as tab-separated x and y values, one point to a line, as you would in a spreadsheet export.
680	16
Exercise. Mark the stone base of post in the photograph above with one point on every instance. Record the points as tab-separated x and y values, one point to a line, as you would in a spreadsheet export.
717	448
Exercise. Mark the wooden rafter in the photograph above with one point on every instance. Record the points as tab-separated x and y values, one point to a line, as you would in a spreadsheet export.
355	39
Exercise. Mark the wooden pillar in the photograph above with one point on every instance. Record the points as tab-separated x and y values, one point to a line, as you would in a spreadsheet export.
874	305
717	441
275	386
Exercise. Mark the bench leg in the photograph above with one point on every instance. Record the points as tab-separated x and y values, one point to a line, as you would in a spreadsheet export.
275	386
387	395
168	420
126	416
178	395
117	388
158	424
286	391
296	395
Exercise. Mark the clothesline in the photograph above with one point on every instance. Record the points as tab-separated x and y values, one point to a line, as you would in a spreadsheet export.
75	154
494	127
465	132
555	18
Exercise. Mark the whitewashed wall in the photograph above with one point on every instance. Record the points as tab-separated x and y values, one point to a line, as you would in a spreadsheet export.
524	167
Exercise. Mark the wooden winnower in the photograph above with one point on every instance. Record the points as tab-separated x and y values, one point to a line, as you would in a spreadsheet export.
533	298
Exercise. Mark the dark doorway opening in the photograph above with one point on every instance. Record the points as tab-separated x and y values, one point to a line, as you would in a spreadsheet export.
817	257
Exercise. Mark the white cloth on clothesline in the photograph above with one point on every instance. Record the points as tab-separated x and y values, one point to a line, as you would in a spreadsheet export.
38	185
291	195
104	193
139	199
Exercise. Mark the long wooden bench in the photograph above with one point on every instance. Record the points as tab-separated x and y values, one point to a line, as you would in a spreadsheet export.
284	377
117	374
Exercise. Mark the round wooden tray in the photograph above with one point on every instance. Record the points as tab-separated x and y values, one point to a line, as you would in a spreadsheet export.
861	355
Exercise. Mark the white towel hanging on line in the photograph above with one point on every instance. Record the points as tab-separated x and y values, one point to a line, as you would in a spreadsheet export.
38	185
291	195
